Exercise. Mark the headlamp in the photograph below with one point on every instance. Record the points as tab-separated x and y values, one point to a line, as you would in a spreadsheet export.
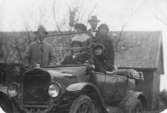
12	90
54	90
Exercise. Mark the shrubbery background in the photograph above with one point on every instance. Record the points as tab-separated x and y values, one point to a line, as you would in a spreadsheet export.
15	45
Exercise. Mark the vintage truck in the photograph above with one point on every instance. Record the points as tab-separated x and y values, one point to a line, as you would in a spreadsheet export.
77	89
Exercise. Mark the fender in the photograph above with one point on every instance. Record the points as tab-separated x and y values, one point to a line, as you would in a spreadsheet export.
134	93
80	86
3	89
77	86
5	103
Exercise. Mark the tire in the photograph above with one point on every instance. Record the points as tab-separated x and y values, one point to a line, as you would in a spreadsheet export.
83	104
137	107
131	105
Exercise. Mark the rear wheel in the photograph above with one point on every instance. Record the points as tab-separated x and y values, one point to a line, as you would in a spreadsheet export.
135	107
132	105
138	108
83	104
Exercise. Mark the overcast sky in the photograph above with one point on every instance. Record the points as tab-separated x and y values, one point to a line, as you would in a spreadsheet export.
137	14
18	15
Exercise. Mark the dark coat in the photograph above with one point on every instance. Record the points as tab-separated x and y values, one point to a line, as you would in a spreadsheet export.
101	64
78	59
92	33
68	60
108	47
40	53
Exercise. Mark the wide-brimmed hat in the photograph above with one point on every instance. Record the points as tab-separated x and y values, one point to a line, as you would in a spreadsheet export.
41	28
96	46
94	19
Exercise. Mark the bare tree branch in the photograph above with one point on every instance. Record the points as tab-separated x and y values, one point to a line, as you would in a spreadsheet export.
125	24
54	16
93	9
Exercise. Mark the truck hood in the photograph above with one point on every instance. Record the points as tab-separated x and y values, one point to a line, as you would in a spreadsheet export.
67	75
61	72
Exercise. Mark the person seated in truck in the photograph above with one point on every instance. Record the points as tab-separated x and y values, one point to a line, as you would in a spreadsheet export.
103	37
99	59
78	55
79	46
82	35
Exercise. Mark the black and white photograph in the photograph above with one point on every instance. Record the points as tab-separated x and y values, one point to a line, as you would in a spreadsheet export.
83	56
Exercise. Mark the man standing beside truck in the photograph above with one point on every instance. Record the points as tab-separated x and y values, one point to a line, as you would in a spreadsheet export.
40	52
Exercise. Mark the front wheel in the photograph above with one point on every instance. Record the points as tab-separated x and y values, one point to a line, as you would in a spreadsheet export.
83	104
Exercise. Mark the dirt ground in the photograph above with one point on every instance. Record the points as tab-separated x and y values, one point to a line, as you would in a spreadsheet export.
151	111
116	110
145	112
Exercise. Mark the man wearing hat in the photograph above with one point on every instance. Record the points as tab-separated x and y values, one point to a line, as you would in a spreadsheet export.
40	52
93	21
78	54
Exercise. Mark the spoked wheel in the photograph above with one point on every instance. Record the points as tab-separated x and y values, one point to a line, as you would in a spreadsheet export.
83	104
132	105
85	108
138	107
